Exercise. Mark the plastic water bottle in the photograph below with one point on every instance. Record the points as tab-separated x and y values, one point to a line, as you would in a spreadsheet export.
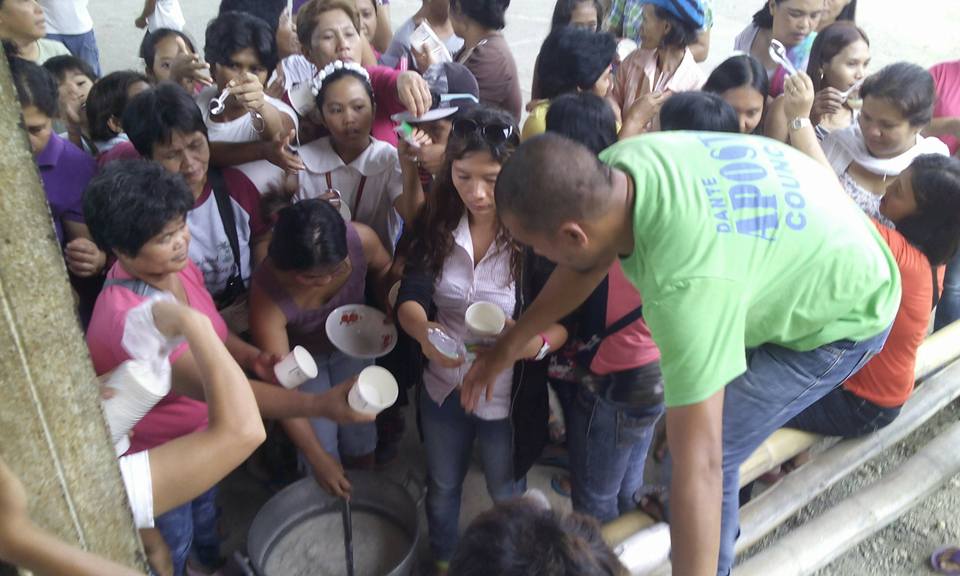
443	342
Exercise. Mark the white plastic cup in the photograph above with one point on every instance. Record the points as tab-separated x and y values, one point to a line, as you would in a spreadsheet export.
375	391
137	388
485	319
296	368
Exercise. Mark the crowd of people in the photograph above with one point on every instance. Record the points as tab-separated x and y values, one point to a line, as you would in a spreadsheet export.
655	258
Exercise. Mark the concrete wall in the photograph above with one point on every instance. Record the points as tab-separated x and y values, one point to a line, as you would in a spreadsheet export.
52	431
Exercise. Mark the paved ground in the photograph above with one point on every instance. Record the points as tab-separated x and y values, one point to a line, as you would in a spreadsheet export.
919	31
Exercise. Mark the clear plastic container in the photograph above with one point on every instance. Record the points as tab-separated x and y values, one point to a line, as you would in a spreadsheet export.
444	343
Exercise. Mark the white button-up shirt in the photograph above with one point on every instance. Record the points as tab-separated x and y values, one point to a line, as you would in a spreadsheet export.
460	285
378	164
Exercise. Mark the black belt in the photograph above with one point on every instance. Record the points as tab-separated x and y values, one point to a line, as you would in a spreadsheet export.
634	387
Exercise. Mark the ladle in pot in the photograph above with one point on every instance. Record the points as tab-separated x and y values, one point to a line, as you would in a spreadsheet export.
347	534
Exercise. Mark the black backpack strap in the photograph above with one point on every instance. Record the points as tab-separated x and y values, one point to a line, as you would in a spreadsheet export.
623	322
138	287
220	194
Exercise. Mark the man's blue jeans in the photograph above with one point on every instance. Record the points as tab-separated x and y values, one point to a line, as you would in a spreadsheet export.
948	309
448	436
608	447
193	524
779	384
83	46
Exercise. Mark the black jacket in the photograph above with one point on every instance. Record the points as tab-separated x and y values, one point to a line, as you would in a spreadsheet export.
529	408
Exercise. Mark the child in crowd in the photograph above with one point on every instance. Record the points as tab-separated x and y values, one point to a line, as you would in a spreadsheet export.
742	82
64	168
64	172
360	174
169	54
571	60
75	78
461	254
317	263
838	63
585	14
105	105
159	14
22	23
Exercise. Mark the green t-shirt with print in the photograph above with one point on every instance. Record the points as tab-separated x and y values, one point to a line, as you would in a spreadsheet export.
742	241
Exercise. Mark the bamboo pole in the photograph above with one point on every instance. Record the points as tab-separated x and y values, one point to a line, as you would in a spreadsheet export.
773	507
805	550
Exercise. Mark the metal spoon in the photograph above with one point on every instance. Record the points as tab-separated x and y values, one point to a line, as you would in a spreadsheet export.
779	54
846	93
219	104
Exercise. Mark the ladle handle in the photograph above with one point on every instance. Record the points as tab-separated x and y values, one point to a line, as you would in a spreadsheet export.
347	534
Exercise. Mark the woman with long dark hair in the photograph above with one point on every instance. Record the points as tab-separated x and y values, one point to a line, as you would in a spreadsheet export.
461	254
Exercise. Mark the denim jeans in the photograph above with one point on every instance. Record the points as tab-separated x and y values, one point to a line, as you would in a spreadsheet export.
608	446
843	413
948	309
779	384
350	440
193	524
448	436
83	46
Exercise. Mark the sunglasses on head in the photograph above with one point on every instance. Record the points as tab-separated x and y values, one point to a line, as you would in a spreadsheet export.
494	133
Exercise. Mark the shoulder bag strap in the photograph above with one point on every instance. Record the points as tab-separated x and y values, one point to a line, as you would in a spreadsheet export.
217	184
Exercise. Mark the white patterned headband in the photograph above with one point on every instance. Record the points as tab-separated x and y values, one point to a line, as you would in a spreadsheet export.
336	66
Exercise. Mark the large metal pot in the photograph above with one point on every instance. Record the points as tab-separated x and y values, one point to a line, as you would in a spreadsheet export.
305	502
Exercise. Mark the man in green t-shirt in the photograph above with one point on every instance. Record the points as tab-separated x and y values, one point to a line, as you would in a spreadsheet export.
764	286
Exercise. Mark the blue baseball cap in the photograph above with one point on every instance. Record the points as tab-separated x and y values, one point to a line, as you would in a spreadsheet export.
687	10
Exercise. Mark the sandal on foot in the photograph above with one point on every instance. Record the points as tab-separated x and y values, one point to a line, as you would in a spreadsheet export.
946	560
561	484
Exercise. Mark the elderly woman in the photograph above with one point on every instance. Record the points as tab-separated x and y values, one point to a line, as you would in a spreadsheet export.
142	221
897	105
662	65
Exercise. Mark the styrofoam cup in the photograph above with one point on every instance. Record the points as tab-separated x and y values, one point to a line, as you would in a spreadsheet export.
296	368
376	390
137	388
485	319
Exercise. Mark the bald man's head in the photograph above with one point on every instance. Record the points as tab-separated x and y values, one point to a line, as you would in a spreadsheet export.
550	180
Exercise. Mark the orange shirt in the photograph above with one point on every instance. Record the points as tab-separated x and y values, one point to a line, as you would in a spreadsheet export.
887	380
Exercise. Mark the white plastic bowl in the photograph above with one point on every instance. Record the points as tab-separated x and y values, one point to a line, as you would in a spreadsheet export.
361	331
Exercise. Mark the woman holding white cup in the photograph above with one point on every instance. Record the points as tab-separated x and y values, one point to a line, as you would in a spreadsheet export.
316	263
461	254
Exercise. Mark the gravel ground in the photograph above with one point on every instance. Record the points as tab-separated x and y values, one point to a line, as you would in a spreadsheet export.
904	547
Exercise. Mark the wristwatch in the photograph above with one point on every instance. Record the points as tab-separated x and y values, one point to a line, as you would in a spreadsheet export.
544	350
799	122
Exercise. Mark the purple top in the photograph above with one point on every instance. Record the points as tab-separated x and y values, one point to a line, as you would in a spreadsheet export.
65	171
308	327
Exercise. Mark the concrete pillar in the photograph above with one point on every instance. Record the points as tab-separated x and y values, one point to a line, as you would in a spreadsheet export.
52	431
